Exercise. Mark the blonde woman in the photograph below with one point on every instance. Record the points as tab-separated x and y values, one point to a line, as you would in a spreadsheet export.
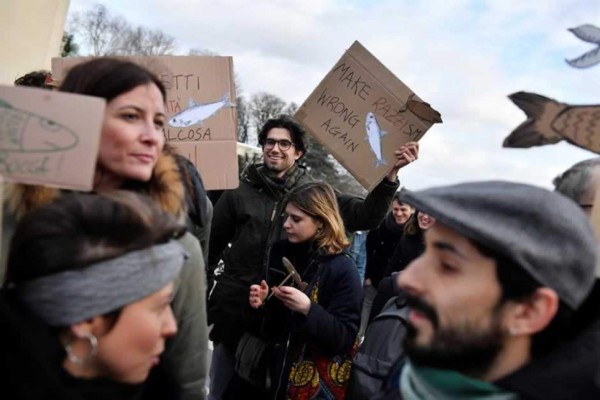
311	327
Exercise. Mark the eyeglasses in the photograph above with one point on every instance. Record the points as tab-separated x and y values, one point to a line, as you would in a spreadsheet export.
283	144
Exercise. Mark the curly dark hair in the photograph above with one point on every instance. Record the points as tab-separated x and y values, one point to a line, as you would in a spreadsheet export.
38	79
297	132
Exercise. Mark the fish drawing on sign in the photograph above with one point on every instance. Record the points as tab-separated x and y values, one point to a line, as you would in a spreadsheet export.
374	135
591	34
549	121
25	132
197	113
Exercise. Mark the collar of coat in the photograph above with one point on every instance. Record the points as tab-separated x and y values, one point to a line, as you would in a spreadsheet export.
166	187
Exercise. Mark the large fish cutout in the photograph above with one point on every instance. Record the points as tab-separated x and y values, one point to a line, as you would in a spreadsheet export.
25	132
197	113
549	121
591	34
374	135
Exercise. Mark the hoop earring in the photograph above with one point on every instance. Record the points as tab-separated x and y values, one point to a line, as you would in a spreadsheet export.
93	349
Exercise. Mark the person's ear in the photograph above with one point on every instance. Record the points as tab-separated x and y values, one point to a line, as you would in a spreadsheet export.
298	154
533	314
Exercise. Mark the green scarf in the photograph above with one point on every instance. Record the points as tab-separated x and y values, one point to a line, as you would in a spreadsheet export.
280	186
419	383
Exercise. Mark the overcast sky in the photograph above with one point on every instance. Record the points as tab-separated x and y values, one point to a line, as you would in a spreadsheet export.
463	57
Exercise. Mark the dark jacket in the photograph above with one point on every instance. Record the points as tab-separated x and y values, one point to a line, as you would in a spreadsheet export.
569	371
251	219
381	243
409	248
331	325
572	370
199	207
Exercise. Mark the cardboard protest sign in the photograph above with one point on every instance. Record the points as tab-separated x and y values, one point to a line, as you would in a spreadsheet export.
200	108
362	113
49	138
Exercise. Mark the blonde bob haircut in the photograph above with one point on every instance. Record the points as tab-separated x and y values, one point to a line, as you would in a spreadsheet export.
318	200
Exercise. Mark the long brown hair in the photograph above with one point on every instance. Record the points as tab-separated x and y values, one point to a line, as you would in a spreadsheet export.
318	200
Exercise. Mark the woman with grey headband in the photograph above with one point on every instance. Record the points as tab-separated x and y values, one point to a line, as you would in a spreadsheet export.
133	156
86	309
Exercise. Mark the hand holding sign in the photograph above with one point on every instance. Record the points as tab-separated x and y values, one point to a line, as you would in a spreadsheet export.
406	154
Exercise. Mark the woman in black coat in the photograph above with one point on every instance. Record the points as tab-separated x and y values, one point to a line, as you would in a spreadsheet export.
411	246
312	325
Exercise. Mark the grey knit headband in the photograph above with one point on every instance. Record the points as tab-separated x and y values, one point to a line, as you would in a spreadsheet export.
73	296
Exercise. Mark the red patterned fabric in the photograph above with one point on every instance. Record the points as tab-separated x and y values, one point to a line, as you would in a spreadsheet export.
314	376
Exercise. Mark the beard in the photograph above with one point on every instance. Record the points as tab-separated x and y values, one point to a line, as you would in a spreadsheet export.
467	348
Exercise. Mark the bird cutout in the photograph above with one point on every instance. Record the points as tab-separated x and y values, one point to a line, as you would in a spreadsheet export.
591	34
295	275
549	121
292	274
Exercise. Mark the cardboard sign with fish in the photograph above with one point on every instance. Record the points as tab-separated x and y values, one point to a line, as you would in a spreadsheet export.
549	122
362	113
49	138
202	120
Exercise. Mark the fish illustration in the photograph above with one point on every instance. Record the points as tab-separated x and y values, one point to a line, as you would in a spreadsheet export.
591	34
25	132
374	135
423	110
197	113
549	121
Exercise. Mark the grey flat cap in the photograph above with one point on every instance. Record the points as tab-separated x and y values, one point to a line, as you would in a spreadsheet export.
542	231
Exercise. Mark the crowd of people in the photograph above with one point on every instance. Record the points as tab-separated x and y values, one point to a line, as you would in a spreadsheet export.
105	295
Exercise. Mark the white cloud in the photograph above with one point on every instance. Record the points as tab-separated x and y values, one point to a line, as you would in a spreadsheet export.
464	57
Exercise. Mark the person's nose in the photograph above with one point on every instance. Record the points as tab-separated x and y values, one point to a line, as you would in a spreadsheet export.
152	135
412	278
170	324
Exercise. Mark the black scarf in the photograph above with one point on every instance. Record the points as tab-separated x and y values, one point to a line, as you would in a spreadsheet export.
392	226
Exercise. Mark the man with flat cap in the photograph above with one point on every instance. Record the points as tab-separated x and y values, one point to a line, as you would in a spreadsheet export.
503	303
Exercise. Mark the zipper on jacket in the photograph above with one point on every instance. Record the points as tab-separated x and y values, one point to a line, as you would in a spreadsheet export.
274	211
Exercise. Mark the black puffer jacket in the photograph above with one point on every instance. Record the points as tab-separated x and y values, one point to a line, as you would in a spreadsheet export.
250	218
381	243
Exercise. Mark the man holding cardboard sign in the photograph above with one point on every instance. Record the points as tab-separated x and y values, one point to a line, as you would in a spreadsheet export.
250	219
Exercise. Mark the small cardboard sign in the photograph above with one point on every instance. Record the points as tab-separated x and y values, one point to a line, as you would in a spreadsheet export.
200	106
362	113
49	138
